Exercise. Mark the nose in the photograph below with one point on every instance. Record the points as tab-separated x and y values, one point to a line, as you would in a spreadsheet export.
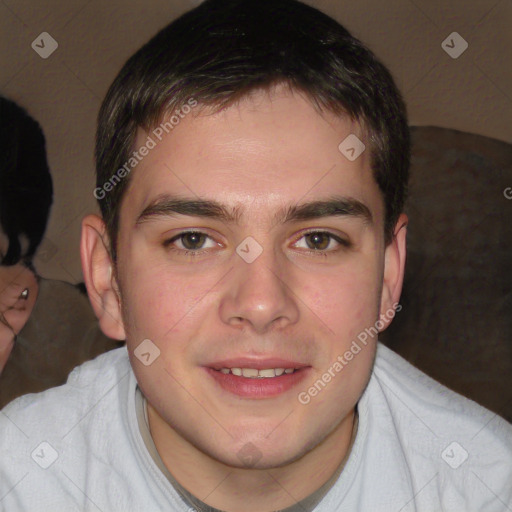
259	294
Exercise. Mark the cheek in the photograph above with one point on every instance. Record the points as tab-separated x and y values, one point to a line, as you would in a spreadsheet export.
345	301
158	304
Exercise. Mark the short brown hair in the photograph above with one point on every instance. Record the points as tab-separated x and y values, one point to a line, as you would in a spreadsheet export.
224	49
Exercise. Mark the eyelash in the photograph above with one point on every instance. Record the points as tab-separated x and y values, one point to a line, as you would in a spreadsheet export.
187	253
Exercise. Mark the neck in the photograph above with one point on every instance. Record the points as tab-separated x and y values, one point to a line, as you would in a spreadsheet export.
253	490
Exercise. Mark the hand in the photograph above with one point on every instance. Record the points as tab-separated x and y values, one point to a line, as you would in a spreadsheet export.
18	291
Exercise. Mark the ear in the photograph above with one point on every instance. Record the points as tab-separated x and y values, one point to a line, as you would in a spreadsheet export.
394	268
99	275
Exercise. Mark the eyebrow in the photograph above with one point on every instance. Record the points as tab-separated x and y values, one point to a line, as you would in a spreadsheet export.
335	206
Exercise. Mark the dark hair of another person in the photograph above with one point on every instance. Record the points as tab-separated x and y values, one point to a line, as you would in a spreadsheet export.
223	50
26	189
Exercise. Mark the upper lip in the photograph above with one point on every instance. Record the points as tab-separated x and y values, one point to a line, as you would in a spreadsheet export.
259	364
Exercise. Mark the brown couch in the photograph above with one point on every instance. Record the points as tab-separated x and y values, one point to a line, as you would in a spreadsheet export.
456	321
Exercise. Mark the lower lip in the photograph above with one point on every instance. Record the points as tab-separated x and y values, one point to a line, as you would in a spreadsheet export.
258	387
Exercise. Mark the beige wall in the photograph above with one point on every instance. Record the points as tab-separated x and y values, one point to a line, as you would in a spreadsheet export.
63	92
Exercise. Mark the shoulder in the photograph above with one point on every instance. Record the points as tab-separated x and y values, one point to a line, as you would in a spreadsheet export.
411	387
75	440
85	384
465	448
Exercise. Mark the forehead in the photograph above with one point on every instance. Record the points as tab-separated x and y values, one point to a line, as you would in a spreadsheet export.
265	151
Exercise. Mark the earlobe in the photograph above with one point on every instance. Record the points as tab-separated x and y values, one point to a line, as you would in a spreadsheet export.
394	268
99	277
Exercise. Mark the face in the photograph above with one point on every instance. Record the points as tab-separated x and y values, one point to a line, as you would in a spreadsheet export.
286	278
18	292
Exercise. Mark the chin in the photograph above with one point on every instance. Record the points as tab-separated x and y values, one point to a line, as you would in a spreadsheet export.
253	452
250	456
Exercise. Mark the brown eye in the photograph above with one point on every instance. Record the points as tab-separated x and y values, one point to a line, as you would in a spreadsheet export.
318	241
190	243
193	240
322	242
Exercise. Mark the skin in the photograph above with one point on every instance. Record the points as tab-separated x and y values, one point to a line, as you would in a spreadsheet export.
272	150
14	309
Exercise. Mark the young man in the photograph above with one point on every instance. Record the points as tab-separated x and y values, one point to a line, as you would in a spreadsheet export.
252	163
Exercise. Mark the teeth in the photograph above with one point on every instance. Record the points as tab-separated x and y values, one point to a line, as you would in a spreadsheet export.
266	373
253	373
249	372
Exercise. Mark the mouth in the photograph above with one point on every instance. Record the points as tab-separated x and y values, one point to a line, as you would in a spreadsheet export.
254	373
257	379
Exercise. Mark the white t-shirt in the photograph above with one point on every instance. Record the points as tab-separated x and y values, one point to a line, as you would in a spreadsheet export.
419	447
